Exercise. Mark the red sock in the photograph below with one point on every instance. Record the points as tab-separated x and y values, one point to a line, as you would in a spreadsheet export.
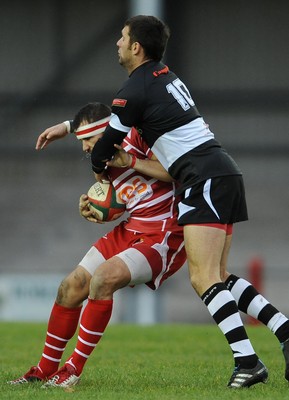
93	322
62	325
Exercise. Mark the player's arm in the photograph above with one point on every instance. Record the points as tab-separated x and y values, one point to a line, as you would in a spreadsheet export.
104	150
152	167
53	133
149	166
125	110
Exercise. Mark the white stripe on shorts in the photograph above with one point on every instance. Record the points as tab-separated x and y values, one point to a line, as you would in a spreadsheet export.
207	197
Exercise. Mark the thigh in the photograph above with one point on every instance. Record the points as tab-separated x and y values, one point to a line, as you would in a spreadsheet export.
224	259
151	257
108	246
155	258
92	260
204	247
110	276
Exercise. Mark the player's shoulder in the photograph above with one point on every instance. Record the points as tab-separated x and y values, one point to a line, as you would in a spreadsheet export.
135	140
131	90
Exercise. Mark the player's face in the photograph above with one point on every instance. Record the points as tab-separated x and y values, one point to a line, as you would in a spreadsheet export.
124	48
88	143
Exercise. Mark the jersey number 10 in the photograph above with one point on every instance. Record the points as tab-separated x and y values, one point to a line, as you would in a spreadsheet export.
180	92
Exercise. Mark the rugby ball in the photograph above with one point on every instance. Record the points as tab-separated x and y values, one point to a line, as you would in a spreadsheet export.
103	199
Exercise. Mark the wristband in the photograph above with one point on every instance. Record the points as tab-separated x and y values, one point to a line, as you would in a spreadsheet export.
133	161
69	126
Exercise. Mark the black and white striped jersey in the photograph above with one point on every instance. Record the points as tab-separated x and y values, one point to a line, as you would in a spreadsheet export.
159	105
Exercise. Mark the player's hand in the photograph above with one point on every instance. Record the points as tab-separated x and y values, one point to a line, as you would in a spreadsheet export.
86	212
121	159
101	177
50	134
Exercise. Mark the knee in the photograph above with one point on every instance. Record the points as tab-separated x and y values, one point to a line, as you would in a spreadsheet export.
195	274
73	290
101	285
104	283
108	278
202	278
224	275
195	283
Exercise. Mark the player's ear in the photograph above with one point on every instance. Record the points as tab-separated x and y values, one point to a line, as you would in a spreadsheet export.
136	48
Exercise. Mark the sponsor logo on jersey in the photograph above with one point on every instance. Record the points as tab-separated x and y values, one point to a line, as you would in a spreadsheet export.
135	190
119	102
165	70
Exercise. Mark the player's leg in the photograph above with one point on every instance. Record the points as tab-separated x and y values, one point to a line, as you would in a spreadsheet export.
64	318
74	289
254	304
62	324
205	248
112	275
109	276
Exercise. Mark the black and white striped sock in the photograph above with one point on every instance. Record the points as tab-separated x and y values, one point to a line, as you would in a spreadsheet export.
223	308
252	303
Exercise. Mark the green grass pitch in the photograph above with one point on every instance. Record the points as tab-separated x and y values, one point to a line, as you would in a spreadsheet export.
145	363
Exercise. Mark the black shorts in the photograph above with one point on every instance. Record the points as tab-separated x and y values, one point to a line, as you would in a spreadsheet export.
218	200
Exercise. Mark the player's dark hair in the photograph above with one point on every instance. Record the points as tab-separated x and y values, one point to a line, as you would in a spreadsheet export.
91	112
151	33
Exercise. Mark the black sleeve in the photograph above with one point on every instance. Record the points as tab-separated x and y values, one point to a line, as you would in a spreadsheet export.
104	149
